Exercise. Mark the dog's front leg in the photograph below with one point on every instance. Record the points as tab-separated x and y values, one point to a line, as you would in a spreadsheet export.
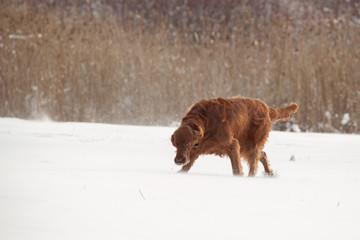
193	157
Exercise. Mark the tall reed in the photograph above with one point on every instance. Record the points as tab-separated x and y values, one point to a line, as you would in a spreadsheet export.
126	67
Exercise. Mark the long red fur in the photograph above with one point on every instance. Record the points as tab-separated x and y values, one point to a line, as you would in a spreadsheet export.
237	127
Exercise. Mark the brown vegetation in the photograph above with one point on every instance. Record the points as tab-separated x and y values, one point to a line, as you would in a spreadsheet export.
127	65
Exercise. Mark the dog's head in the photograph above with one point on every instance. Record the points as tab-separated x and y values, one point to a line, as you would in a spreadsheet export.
184	139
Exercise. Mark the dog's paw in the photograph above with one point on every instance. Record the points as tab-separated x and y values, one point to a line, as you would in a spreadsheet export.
272	174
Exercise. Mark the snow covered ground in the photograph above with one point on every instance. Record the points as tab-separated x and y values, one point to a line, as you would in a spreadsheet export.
98	181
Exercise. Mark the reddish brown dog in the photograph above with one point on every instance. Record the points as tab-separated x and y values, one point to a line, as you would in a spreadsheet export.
237	127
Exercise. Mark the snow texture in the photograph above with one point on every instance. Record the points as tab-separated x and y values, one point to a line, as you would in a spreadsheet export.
345	119
98	181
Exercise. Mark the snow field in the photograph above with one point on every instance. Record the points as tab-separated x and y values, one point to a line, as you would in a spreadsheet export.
99	181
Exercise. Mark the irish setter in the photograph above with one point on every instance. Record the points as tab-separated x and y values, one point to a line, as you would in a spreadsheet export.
237	127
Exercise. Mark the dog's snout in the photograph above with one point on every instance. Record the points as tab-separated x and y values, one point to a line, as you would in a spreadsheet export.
179	160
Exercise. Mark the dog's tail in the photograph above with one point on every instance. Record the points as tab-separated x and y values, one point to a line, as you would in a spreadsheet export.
282	113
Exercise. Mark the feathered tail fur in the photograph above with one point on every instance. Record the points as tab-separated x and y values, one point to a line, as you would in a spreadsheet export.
282	113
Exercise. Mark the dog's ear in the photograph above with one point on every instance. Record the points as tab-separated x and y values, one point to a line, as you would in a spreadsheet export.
198	133
172	140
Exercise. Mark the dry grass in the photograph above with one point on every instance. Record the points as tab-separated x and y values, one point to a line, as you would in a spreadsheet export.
122	68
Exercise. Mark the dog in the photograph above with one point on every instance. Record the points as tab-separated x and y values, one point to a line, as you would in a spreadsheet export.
236	127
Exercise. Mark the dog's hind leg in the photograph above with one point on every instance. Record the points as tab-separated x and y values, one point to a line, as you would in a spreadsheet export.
265	162
234	155
253	160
